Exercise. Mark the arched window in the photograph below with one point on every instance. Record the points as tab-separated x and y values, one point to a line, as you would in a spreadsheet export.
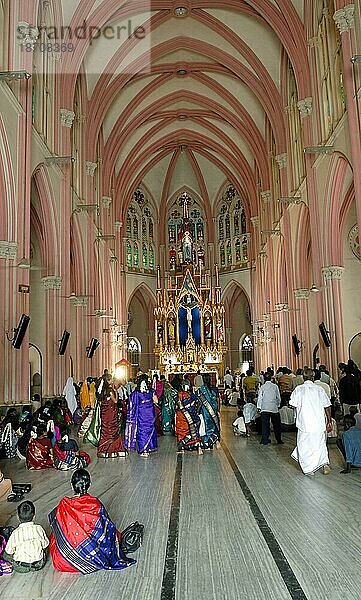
245	352
232	223
177	228
134	350
140	232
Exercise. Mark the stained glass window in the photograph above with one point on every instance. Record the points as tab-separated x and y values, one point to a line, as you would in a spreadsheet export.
135	228
129	255
145	256
229	253
221	228
222	255
136	255
247	345
151	257
236	223
227	227
129	227
144	229
151	230
243	222
238	250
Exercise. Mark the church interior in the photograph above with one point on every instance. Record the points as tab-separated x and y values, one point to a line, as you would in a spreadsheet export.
179	192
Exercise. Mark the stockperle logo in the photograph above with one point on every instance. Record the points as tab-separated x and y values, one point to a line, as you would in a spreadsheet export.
96	38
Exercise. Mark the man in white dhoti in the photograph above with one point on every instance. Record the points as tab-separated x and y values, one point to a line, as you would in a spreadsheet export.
313	419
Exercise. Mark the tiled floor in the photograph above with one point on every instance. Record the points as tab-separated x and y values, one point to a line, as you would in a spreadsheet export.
222	554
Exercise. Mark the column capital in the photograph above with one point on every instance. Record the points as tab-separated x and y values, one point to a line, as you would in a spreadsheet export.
266	196
305	107
66	117
106	201
255	221
344	18
302	293
80	300
281	160
90	168
332	272
313	42
54	282
27	35
8	250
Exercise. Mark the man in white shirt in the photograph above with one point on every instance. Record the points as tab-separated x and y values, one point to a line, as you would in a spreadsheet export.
269	400
313	419
228	380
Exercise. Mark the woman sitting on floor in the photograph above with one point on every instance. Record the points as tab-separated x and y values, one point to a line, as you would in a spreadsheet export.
67	455
39	452
187	420
83	538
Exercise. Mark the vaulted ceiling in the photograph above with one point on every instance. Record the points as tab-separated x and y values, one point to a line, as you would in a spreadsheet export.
186	93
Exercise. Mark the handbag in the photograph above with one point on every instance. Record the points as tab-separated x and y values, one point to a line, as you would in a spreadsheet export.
132	537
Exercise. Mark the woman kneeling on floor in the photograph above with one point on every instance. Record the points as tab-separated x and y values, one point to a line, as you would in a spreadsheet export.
83	538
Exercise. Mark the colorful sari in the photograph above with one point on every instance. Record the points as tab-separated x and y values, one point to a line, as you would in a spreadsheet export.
92	433
209	410
66	459
84	539
187	421
168	407
140	433
39	454
110	441
84	395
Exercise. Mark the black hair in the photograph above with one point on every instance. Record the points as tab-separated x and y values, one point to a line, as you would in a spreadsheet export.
41	429
267	376
207	380
80	481
26	511
141	378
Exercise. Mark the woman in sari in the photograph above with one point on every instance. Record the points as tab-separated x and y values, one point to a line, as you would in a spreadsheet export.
168	407
140	433
187	420
209	411
84	539
39	451
110	441
67	455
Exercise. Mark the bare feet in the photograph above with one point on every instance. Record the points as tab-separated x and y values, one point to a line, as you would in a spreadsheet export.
144	454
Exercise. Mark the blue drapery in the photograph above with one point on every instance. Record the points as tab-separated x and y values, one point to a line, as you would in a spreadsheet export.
183	325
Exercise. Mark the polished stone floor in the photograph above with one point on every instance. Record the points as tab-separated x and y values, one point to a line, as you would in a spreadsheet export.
240	522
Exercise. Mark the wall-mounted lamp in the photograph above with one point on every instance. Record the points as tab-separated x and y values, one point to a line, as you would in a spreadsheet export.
355	59
314	288
319	150
14	75
104	238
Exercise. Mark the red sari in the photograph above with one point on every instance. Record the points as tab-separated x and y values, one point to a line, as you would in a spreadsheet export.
39	454
110	442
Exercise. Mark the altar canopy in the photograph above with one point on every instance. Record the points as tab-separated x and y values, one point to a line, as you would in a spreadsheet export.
189	316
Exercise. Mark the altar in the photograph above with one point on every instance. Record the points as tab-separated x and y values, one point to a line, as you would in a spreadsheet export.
189	314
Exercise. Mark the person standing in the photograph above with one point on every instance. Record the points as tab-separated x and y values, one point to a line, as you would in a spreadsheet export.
209	410
228	380
110	441
349	389
140	433
269	401
250	385
313	419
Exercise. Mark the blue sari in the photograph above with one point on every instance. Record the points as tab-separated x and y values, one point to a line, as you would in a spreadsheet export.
209	411
140	433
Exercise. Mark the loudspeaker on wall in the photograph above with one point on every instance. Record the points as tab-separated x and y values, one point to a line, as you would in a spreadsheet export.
64	342
324	334
296	344
94	343
20	331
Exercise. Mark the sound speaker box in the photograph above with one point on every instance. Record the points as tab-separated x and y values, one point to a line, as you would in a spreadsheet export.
296	344
94	343
324	334
64	342
20	331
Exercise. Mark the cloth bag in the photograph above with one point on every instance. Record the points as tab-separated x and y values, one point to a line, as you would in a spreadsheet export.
8	441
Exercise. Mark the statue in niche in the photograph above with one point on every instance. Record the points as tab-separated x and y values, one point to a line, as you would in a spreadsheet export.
180	256
187	248
171	331
219	329
208	327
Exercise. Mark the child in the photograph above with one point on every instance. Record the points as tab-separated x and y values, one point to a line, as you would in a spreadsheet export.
25	547
239	426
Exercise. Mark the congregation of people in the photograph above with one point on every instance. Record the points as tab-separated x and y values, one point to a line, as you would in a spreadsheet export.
120	417
117	418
